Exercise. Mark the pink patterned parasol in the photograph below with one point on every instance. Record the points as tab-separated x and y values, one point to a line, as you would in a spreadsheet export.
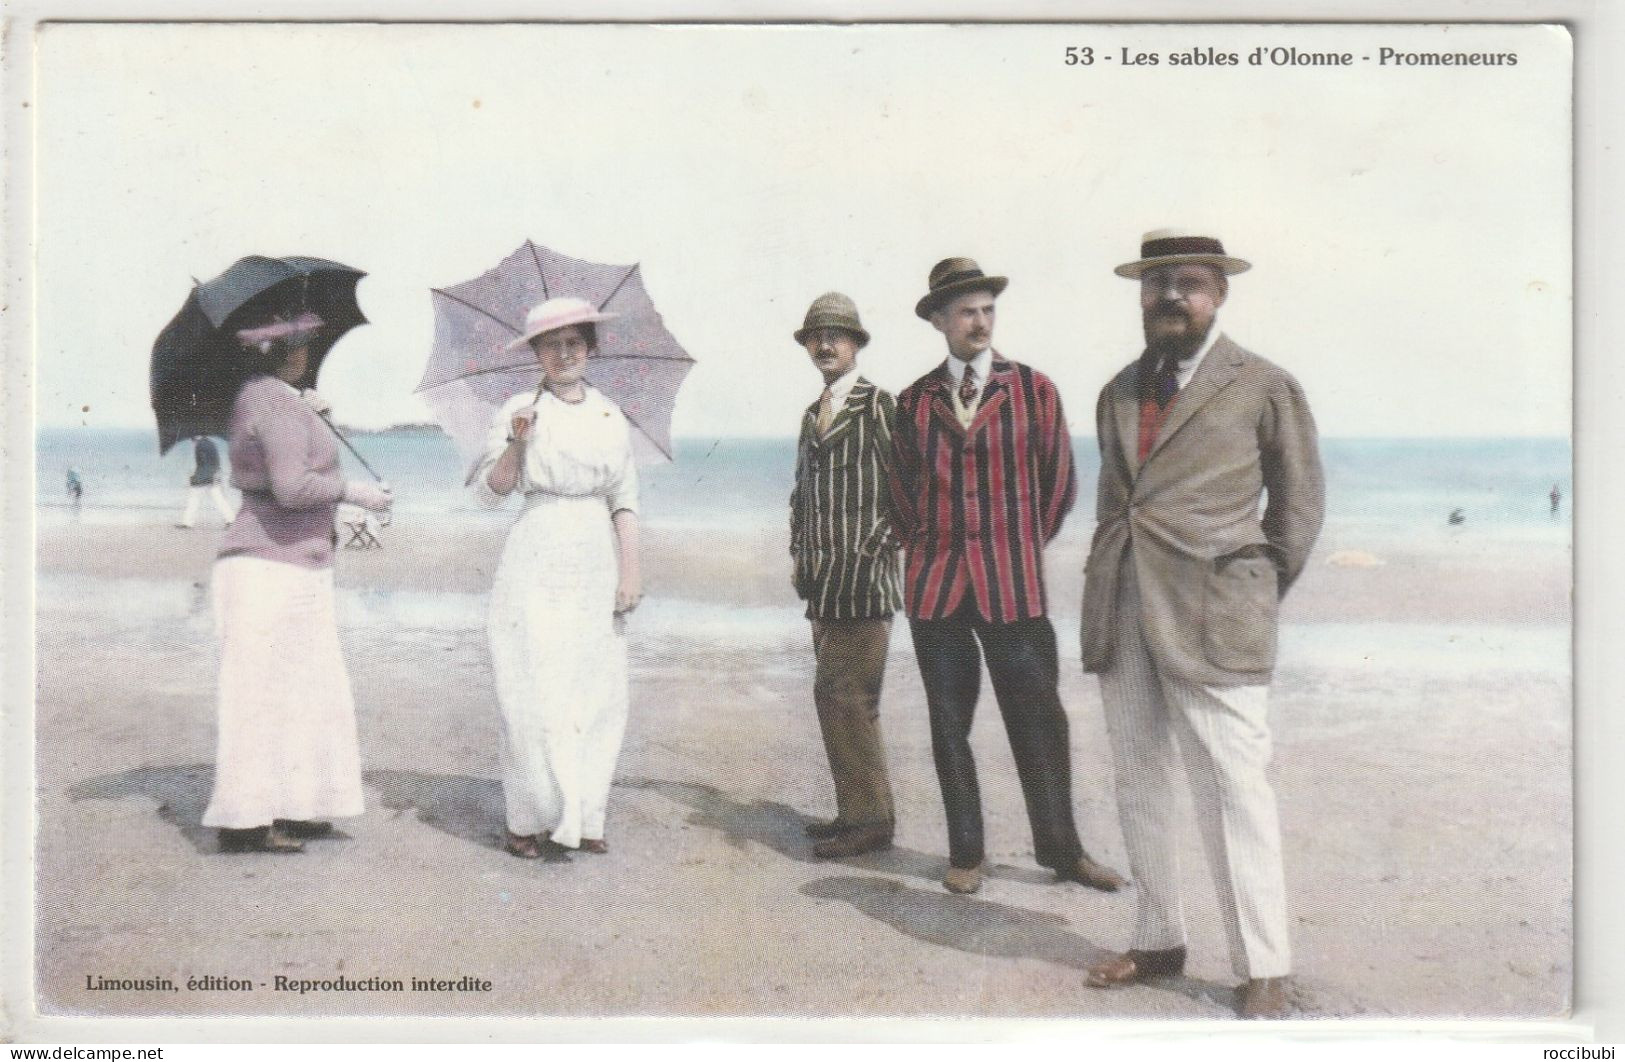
639	365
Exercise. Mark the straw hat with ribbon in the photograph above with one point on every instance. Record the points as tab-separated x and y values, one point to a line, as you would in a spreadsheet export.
561	312
1162	247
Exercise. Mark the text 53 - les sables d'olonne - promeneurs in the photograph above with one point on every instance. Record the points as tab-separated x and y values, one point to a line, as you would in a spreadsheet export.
1265	55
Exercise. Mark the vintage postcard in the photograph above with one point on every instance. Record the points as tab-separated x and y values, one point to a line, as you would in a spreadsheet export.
1006	521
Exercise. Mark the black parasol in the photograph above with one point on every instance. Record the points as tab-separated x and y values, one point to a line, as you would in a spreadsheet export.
197	364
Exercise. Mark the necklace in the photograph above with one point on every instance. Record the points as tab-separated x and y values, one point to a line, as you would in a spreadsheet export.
581	396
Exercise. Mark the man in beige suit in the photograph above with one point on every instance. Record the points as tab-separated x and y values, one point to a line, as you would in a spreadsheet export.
1179	607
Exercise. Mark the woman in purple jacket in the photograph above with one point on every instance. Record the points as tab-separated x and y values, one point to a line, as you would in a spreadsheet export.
287	755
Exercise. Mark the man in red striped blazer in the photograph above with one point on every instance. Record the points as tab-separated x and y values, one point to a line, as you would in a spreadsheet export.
981	479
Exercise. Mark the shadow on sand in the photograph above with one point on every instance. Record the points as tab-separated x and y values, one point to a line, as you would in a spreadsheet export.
985	927
964	923
783	829
180	792
469	809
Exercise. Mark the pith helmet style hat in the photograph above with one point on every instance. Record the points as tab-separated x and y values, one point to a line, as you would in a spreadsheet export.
1161	247
832	310
953	277
561	312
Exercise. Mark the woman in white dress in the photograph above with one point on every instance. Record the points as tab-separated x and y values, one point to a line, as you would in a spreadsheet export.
568	571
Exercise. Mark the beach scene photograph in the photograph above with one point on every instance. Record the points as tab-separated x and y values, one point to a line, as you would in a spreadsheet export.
442	196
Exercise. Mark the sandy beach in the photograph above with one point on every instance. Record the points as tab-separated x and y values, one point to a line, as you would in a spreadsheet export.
1421	716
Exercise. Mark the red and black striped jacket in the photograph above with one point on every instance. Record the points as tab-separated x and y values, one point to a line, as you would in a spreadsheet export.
975	508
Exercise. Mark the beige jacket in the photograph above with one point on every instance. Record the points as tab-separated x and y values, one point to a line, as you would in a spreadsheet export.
1240	427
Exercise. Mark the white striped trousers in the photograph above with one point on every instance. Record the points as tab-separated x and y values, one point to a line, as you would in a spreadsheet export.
1224	741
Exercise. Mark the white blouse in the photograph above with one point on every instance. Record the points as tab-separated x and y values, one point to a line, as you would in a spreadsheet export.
575	449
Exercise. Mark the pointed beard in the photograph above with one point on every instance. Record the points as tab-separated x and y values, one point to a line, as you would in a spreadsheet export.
1178	347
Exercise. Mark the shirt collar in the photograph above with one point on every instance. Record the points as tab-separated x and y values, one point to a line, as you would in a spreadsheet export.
841	388
982	363
1187	366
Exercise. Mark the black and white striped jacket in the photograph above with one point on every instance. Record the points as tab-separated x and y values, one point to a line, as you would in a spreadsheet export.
846	562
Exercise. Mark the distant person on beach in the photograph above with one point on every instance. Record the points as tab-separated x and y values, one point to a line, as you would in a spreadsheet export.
568	574
1557	498
287	755
75	486
846	570
1179	608
205	481
1456	517
981	480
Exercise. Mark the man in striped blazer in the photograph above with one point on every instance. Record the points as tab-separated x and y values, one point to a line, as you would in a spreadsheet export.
981	480
846	570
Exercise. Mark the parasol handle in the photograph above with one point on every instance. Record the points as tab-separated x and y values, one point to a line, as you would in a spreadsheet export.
348	446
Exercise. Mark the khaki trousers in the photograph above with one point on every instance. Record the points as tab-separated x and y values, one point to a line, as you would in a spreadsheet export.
851	658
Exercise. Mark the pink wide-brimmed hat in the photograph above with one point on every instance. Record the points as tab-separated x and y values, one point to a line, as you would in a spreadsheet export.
302	327
557	313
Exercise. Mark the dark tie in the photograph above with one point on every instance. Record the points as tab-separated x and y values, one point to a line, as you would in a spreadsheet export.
1167	382
967	387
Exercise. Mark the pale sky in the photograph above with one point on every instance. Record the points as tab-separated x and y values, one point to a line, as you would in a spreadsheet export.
1409	227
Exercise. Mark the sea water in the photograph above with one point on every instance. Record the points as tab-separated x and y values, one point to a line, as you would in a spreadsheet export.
1378	491
1382	495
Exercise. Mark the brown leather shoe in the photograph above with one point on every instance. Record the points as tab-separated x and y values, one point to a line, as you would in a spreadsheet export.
595	845
820	830
855	841
1134	967
305	828
963	880
1264	999
523	847
1095	875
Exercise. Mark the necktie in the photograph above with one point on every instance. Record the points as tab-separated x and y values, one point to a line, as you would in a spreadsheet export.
1167	382
826	411
967	388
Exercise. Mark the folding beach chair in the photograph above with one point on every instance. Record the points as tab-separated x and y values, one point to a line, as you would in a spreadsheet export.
361	529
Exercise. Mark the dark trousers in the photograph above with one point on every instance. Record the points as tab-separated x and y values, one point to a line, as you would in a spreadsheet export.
1021	658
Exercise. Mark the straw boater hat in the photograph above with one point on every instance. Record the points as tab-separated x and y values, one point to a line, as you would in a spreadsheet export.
561	312
951	278
832	310
1162	247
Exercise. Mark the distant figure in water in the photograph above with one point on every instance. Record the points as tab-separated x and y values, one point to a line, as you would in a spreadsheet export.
75	486
1457	517
1557	498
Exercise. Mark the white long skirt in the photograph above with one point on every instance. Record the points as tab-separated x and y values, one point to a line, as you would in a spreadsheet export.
560	663
287	746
